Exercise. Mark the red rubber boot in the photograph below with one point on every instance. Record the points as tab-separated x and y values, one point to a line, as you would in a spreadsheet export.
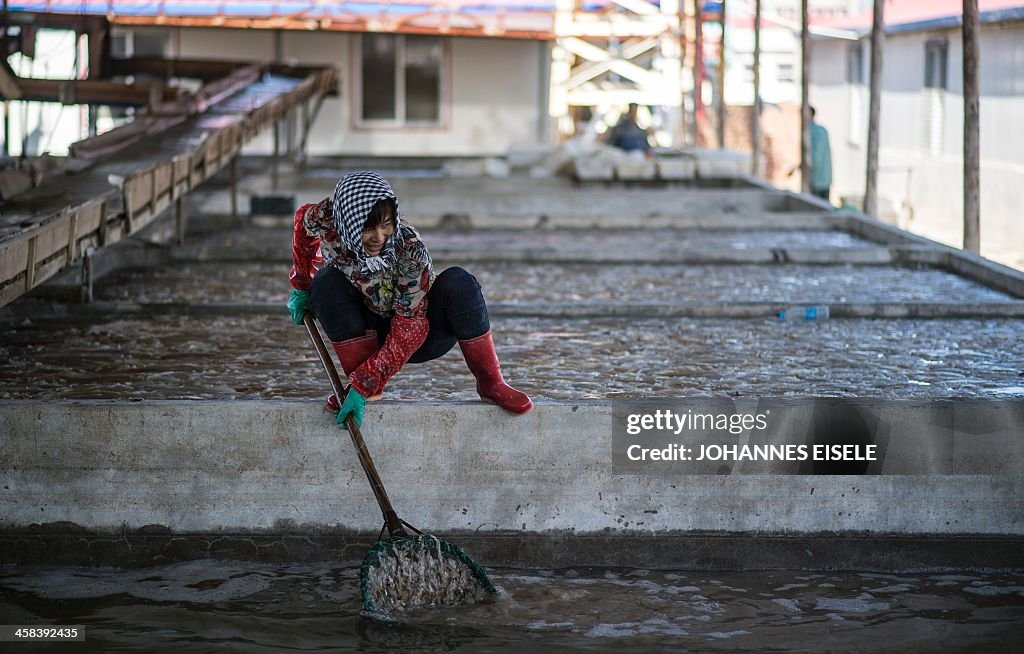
483	363
352	353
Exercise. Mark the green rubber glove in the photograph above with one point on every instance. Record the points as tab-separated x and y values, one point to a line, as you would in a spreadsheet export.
354	404
298	304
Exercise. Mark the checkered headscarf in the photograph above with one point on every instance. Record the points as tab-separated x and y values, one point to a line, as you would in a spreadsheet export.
354	197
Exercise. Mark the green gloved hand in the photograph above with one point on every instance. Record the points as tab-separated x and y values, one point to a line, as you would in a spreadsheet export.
354	404
298	304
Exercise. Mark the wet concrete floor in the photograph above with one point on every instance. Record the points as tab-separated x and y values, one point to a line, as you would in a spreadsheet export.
605	239
514	282
201	605
271	358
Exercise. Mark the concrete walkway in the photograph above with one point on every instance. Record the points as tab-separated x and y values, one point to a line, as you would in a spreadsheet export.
124	481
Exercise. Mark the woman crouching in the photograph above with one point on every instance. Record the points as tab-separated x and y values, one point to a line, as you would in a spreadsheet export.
378	299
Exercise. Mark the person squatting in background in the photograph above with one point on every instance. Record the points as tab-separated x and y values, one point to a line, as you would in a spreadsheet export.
378	299
627	134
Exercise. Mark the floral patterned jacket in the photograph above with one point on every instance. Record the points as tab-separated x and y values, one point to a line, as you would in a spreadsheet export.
399	293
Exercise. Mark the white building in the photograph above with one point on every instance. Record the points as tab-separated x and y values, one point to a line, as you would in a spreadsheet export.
403	94
425	84
780	46
920	182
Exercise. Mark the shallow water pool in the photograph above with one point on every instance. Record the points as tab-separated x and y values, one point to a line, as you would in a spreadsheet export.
195	606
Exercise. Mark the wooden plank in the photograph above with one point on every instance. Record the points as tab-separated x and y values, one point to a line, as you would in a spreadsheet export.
51	237
10	87
721	79
89	218
755	114
72	238
30	265
139	187
102	233
129	214
196	163
12	291
972	135
805	99
93	92
875	110
698	71
48	269
13	259
182	168
167	68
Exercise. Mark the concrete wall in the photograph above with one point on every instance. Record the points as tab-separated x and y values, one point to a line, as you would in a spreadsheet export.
920	176
493	96
242	466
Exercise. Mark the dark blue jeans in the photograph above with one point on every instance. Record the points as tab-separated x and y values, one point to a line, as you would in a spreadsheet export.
456	311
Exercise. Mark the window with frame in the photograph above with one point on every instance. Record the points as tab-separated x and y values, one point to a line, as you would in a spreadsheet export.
933	95
935	56
855	63
786	73
855	92
401	79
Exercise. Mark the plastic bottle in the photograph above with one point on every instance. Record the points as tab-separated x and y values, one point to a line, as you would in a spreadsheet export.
816	312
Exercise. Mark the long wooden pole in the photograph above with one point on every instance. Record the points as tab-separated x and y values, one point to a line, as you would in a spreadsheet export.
805	100
871	176
721	83
755	118
972	120
391	519
698	70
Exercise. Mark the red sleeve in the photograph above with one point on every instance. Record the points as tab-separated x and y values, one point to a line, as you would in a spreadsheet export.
406	336
304	247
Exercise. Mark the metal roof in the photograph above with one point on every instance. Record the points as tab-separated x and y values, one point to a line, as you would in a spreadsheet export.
499	18
918	15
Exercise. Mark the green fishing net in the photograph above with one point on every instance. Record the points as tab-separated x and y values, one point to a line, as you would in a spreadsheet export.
410	572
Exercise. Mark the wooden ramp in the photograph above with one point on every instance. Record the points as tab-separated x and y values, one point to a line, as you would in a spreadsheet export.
134	173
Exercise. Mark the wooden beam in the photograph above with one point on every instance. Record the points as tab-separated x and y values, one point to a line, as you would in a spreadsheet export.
805	100
307	24
10	86
589	71
874	112
37	20
168	68
641	7
698	70
755	114
69	91
98	36
972	120
721	81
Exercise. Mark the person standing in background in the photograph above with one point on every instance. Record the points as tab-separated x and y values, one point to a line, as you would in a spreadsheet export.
821	160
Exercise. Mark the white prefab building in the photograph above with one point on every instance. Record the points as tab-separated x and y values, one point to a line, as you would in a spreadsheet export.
920	181
403	94
425	84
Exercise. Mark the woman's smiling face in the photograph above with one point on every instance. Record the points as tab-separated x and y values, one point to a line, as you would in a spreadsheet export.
375	238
